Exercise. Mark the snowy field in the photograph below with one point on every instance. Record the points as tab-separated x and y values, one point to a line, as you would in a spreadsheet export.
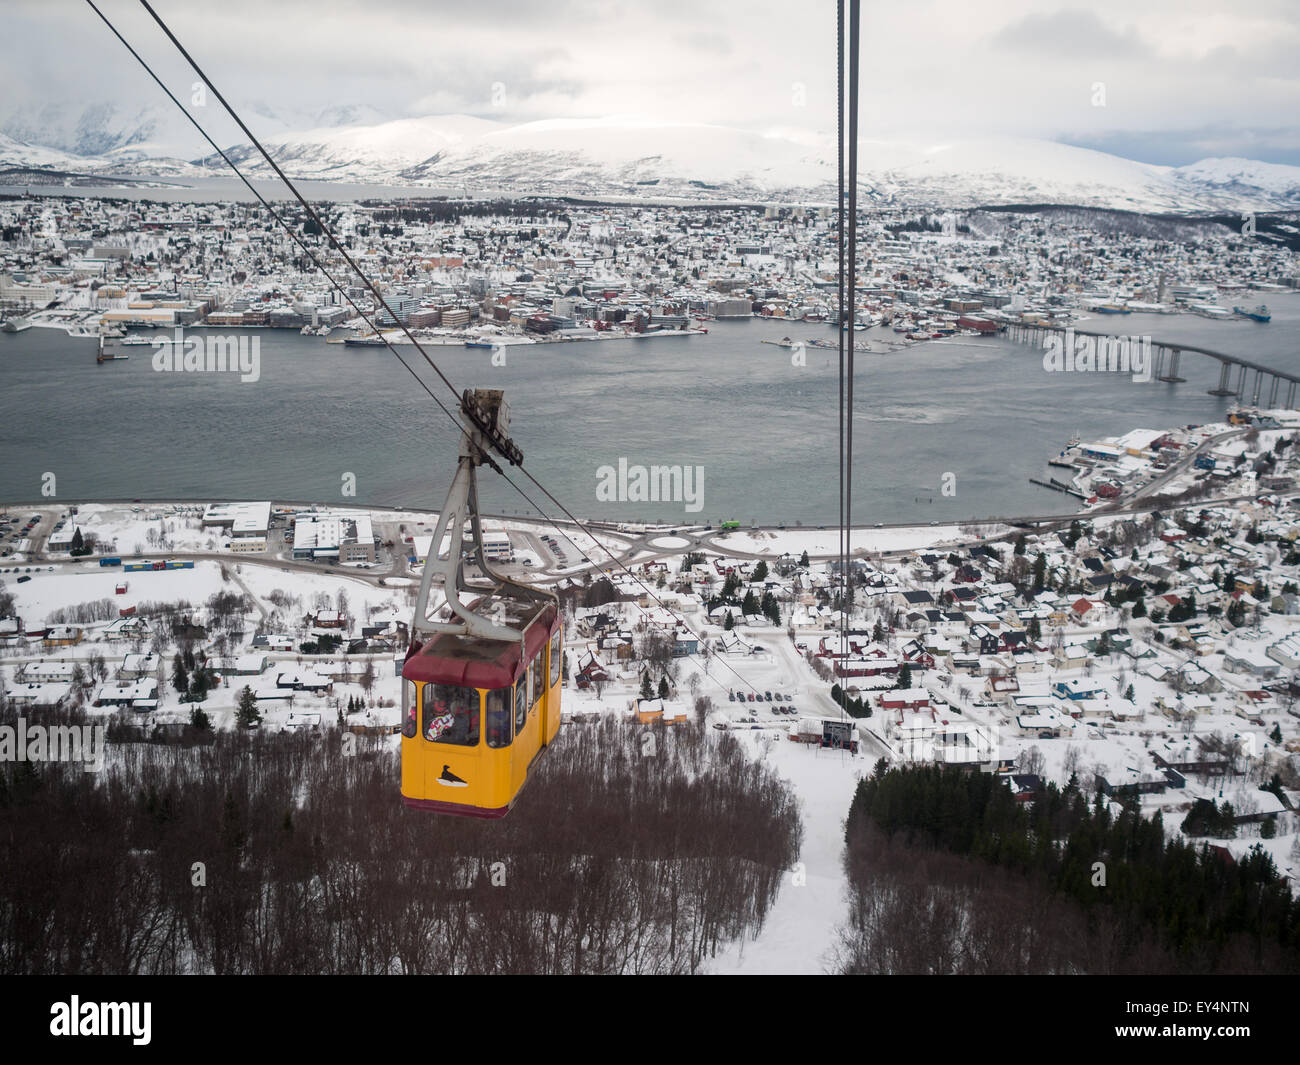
86	582
827	541
127	529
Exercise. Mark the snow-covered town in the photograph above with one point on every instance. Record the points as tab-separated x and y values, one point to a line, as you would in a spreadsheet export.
516	271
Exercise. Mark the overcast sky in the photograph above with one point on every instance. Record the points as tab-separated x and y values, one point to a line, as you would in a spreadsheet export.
1182	79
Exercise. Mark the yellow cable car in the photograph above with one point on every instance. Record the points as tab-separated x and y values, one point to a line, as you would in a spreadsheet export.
476	714
481	680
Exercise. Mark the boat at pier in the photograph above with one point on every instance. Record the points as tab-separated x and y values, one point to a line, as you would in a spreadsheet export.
1259	314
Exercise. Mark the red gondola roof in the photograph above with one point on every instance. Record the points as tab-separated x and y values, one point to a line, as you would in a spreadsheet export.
476	663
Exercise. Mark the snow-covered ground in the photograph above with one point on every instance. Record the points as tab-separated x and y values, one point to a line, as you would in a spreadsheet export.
85	582
827	541
129	528
800	933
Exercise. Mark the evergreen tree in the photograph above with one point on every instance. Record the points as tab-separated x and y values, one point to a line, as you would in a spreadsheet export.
771	609
246	712
180	679
803	560
199	720
1040	571
760	571
663	687
728	622
749	605
905	675
1128	693
200	684
646	691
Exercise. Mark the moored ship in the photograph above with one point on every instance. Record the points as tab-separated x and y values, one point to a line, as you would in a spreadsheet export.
1259	314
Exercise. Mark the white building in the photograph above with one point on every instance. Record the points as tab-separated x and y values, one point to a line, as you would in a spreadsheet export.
241	519
1286	652
347	537
496	546
137	695
60	539
45	672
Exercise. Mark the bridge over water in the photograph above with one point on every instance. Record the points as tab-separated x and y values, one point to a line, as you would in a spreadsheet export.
1266	382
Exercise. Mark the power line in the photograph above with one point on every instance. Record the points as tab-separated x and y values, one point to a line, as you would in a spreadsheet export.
326	231
847	288
851	285
842	324
274	214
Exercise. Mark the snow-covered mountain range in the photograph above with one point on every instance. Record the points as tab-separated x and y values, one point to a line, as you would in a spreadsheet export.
620	157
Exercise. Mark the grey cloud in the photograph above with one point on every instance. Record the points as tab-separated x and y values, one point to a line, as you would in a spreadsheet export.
1070	33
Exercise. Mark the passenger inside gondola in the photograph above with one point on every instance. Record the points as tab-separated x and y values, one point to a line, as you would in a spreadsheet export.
498	717
451	714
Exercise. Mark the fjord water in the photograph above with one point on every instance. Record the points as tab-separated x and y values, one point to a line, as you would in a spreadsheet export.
765	431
